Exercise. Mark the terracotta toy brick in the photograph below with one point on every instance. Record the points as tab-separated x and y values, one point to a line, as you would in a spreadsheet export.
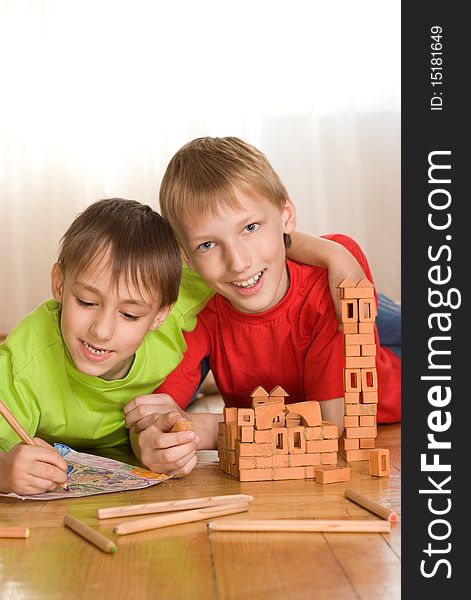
354	455
266	413
352	397
350	327
369	380
310	411
246	416
367	443
259	395
246	434
351	421
255	474
263	437
304	460
357	339
313	433
353	350
354	409
296	440
349	443
329	458
288	473
368	350
332	475
369	397
277	394
230	414
245	462
345	283
350	311
322	445
361	432
367	421
367	310
352	379
183	425
360	362
379	462
280	440
366	328
366	409
293	421
329	431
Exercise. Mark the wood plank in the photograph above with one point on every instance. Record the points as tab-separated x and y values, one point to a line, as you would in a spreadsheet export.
277	566
187	561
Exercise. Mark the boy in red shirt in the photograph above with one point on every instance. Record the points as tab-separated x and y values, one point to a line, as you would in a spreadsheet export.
271	321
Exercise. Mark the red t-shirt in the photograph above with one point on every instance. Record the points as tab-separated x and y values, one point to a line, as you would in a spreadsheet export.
295	344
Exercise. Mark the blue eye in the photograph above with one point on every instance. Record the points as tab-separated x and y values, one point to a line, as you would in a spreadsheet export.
205	246
252	227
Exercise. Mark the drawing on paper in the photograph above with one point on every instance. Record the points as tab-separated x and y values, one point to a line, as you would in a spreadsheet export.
88	474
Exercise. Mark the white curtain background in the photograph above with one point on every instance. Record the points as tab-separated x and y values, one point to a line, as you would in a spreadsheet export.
98	95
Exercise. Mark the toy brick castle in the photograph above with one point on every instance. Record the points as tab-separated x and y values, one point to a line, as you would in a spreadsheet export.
274	440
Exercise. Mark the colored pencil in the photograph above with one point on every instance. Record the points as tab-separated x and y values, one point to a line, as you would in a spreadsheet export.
169	506
20	431
14	532
371	505
303	525
89	534
14	424
186	516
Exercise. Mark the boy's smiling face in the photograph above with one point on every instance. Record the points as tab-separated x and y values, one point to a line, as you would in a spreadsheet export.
240	252
103	325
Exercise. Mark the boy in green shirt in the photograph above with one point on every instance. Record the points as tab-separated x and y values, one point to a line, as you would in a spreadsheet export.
68	369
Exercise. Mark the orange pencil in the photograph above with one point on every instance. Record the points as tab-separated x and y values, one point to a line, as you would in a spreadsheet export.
19	430
11	531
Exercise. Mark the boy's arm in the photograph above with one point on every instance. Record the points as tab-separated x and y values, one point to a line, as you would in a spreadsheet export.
178	388
327	253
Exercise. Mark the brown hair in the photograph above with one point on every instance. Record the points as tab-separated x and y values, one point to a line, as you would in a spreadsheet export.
142	246
203	175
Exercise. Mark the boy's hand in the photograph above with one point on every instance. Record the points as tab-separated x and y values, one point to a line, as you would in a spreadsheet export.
141	412
31	469
165	452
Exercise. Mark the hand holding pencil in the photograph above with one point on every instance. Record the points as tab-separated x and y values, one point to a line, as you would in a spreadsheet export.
33	467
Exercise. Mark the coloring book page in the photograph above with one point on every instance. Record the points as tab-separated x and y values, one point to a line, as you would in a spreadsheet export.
89	474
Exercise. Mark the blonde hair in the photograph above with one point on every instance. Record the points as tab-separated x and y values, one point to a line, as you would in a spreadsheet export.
141	245
203	175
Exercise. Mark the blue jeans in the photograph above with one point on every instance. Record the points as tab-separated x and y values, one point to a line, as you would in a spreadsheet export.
388	322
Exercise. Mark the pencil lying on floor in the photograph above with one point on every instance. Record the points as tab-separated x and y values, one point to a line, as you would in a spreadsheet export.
184	516
89	534
14	532
19	430
371	505
304	525
169	506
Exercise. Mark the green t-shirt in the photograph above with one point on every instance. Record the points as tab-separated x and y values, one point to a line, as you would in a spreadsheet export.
55	401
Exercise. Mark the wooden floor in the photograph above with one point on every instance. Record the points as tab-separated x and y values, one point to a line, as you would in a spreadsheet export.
186	561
